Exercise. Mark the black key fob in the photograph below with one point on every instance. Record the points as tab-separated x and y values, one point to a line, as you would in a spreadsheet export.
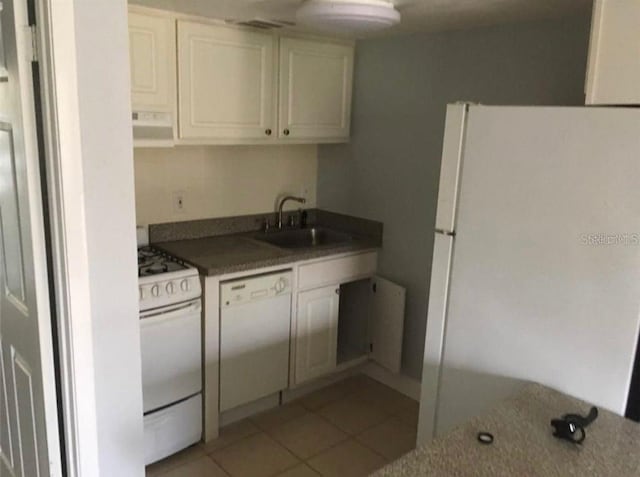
568	431
570	427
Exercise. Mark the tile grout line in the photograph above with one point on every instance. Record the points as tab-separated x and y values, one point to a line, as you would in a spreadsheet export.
287	468
218	465
387	417
374	450
386	461
348	392
347	436
224	446
352	437
187	462
177	465
298	460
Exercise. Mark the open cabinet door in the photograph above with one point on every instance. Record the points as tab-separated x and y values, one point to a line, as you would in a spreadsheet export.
387	323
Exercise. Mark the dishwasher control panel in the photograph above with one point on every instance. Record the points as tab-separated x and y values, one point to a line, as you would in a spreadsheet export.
254	288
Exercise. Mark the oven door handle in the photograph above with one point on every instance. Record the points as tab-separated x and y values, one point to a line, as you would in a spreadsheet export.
167	314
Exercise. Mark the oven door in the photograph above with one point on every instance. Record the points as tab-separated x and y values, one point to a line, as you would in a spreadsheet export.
171	354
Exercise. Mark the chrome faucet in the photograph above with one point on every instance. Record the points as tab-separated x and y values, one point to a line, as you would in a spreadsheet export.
301	200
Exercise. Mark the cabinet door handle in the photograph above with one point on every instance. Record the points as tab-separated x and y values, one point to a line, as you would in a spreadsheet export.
286	132
337	291
268	132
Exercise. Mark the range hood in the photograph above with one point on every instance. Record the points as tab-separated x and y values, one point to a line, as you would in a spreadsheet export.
152	129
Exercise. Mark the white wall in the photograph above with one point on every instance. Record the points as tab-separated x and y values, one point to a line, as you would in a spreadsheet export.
390	170
105	129
221	181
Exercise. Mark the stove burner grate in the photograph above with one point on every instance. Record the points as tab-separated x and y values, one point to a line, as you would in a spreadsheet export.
154	262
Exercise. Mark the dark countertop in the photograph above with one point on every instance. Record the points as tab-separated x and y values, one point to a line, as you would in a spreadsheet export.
223	254
524	445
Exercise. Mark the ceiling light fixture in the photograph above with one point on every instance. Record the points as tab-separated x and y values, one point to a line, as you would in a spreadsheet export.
348	16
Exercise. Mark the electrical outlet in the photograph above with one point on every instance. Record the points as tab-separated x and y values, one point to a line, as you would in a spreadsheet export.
179	202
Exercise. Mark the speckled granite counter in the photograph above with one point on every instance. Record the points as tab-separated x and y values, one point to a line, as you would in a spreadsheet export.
227	245
524	444
236	253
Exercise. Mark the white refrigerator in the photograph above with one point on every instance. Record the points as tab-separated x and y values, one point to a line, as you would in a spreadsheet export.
536	265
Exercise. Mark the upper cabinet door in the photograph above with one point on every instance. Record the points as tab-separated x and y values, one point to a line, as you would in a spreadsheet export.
613	75
315	90
226	82
152	56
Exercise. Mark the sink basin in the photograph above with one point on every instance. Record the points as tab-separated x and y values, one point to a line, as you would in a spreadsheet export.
304	238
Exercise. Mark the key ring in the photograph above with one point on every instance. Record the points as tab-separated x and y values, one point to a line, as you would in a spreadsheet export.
485	438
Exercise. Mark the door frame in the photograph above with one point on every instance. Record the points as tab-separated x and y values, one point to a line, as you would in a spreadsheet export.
56	52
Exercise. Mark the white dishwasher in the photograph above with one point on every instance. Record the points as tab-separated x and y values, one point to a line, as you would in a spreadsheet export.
255	320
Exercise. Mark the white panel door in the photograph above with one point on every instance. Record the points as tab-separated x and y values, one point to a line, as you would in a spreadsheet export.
28	425
613	74
387	323
545	277
152	53
317	332
315	89
226	82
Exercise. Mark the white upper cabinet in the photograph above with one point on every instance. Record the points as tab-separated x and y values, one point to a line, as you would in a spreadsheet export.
315	90
613	75
152	56
226	83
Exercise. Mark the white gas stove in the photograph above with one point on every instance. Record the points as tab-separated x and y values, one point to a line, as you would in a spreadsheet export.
170	335
164	280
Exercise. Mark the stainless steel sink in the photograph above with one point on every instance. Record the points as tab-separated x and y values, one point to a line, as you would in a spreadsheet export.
304	238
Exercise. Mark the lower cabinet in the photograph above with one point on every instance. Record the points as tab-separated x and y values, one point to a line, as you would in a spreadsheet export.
316	332
342	315
340	325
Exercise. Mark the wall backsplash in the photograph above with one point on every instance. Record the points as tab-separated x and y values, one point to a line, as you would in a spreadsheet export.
221	181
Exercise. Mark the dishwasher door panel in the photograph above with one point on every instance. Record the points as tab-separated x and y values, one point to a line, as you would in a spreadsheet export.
254	350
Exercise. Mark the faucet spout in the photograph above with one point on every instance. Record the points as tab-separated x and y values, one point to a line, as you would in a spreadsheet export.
300	200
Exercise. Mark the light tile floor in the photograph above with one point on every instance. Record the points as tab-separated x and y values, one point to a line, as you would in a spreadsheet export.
348	429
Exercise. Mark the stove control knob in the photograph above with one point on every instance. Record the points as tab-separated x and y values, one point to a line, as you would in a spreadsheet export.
184	285
143	295
171	288
155	290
